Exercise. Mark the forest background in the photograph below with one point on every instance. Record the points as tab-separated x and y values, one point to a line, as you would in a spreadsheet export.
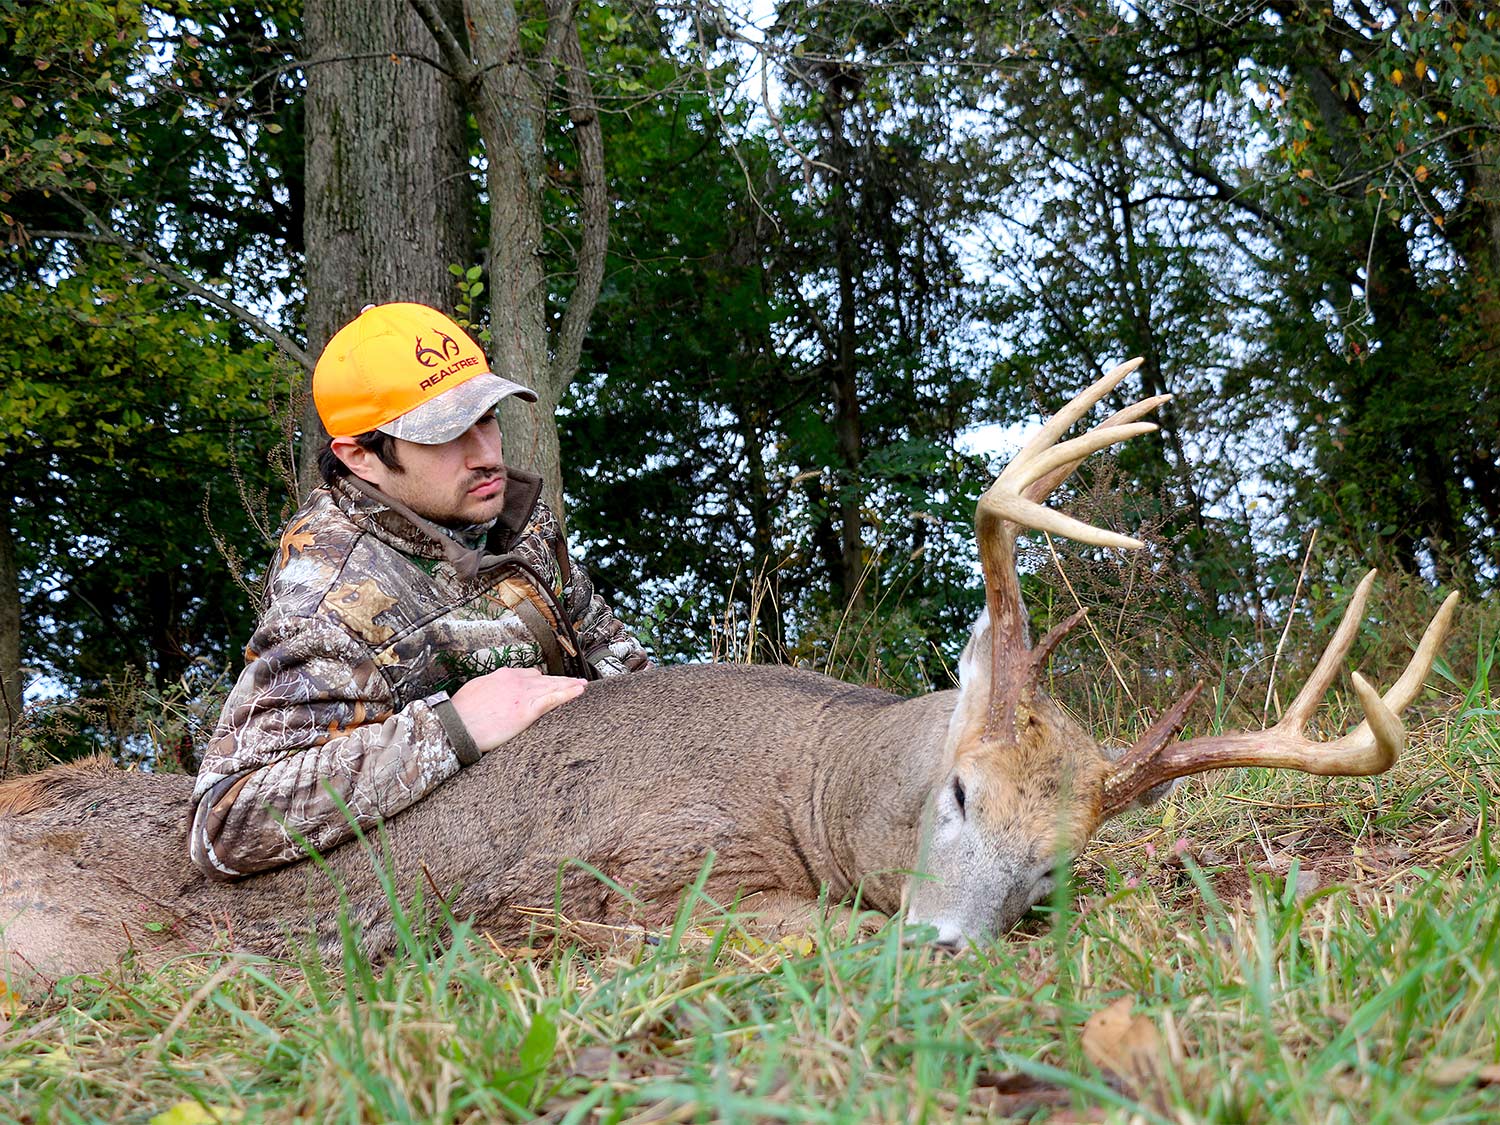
779	273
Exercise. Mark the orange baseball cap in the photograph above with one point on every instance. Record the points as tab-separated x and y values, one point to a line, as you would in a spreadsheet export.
408	371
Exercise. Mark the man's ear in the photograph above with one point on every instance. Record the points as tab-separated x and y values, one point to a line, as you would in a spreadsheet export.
356	458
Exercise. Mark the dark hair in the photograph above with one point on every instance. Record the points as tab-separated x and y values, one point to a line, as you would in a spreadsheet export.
330	468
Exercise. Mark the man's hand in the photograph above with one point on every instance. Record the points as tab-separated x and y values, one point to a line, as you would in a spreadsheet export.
503	703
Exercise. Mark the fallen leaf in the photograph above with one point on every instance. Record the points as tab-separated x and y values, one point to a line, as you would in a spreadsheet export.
11	1005
1275	863
195	1113
1308	882
798	945
53	1061
1013	1094
1129	1049
1461	1072
593	1062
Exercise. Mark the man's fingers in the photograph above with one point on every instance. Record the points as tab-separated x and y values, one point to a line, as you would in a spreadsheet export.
503	674
529	677
549	685
557	694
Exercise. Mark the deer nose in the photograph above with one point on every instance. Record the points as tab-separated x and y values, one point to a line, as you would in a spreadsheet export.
950	939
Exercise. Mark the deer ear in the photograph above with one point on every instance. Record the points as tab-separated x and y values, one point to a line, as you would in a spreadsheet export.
974	670
1154	794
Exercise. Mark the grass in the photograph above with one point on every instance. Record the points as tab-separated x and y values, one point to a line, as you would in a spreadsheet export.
1298	949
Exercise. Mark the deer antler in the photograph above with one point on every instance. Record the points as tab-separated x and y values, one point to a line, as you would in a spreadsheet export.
1016	502
1371	747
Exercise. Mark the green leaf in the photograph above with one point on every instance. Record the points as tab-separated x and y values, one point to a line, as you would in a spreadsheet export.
533	1057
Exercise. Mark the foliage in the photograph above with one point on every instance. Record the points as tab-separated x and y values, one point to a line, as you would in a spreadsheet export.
780	368
1295	227
133	424
123	416
174	127
928	217
1384	122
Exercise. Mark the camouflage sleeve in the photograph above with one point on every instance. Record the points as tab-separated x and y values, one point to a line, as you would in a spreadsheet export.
311	724
609	647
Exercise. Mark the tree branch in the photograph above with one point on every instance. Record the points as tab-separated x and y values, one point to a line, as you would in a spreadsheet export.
562	24
448	42
109	236
1187	158
593	209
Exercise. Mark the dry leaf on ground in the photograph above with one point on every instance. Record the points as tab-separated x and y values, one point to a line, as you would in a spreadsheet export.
1129	1049
594	1062
1013	1094
195	1113
11	1006
1461	1072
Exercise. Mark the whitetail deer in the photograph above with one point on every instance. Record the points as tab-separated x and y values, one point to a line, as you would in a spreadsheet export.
798	784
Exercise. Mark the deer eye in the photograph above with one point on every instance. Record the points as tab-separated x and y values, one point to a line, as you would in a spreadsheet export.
958	795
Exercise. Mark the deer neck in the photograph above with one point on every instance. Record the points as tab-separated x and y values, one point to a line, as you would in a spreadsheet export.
869	797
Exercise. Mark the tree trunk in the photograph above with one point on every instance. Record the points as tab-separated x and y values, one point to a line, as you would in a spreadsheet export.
764	603
10	648
510	107
510	93
388	187
847	427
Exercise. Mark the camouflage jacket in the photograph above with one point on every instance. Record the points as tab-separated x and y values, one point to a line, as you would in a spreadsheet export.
368	624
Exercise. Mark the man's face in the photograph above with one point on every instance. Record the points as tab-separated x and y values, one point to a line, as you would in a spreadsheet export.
459	482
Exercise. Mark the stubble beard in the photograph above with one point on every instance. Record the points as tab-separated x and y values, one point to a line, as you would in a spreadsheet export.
461	510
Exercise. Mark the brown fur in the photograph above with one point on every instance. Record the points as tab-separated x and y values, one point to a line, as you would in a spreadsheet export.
793	781
53	787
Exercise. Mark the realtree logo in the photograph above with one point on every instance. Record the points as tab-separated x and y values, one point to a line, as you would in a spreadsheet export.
431	357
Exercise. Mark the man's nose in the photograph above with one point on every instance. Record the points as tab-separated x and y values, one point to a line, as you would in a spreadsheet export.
483	447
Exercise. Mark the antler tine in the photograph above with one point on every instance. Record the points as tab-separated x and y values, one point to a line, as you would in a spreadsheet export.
1372	747
1302	707
1013	502
1409	684
1079	405
1005	500
1046	486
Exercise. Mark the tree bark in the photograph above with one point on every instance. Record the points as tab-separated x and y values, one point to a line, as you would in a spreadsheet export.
847	426
10	649
510	94
388	185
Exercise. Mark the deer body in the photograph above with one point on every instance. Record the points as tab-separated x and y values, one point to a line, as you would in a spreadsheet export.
794	781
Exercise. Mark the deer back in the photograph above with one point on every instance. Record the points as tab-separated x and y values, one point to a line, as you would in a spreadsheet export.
793	781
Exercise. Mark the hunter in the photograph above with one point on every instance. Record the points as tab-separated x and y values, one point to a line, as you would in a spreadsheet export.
411	608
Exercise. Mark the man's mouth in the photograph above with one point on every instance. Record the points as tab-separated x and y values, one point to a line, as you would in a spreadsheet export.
487	488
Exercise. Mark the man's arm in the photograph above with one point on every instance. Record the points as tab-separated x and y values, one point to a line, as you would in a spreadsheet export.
311	725
609	647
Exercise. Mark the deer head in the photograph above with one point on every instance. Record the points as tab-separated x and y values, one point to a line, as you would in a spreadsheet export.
1023	786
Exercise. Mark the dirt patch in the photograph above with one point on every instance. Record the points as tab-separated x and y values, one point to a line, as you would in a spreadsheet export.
1321	855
